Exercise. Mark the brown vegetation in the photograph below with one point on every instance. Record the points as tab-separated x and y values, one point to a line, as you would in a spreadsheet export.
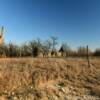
35	79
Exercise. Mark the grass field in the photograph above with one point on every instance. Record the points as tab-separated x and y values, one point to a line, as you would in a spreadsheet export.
49	79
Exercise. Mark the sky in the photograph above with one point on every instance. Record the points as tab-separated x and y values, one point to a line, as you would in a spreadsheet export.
76	22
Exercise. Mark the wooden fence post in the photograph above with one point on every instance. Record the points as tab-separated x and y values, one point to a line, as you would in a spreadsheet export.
88	56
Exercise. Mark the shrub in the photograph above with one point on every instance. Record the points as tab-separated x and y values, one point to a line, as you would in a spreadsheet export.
97	52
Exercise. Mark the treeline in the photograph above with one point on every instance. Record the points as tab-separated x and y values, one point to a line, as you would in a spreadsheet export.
46	48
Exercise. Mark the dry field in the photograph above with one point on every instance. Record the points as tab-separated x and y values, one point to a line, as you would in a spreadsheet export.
49	79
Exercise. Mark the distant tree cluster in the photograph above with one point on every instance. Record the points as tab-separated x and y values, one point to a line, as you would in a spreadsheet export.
49	47
97	52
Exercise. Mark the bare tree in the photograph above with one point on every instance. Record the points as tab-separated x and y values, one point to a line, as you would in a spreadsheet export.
46	46
82	51
54	43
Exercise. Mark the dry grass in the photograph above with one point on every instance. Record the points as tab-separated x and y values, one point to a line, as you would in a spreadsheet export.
21	76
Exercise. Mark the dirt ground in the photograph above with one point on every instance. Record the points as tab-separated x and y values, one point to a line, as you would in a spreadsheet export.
49	79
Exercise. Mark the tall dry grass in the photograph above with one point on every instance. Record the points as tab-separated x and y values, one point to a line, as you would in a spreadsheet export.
17	74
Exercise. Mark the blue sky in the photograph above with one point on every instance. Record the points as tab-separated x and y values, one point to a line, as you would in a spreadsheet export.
76	22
